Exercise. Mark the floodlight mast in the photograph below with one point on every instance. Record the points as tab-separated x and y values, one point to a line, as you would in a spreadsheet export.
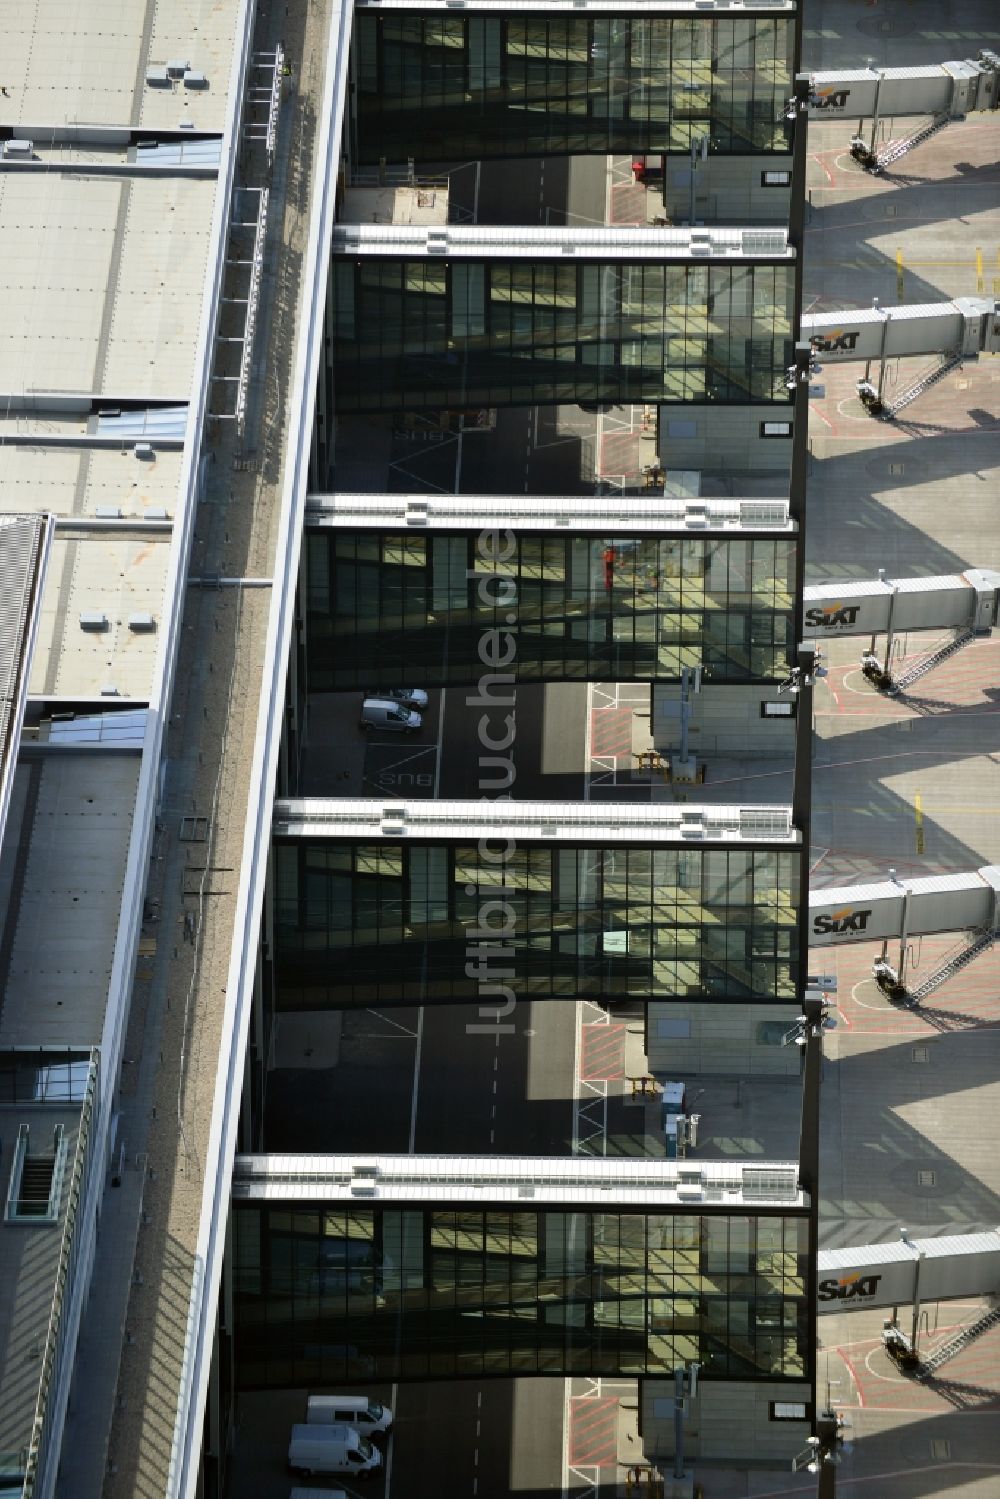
821	1454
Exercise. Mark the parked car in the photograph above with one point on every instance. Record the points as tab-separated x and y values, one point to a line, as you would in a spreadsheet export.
410	697
383	713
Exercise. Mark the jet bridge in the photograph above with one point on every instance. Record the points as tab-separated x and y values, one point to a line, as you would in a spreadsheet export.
965	604
950	1268
895	910
957	88
940	93
951	332
967	327
912	1272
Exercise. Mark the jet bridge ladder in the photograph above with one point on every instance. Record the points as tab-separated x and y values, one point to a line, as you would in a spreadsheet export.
887	155
887	411
892	983
880	676
956	1345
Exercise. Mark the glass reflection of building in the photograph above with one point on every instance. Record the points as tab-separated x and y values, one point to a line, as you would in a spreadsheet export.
410	607
408	334
325	1294
358	923
450	87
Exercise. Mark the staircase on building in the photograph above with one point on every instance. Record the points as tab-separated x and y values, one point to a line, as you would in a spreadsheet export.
34	1194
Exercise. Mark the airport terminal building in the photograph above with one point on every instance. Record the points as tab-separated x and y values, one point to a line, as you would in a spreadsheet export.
406	819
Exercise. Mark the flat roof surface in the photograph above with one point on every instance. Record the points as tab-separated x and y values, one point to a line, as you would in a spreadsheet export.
541	512
78	63
372	817
103	281
523	1179
62	867
107	575
77	480
105	250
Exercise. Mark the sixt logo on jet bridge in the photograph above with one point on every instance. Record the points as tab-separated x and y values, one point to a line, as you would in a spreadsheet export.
839	341
829	98
837	923
856	1287
833	617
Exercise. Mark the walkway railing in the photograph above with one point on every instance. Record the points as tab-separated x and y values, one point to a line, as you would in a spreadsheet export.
69	1244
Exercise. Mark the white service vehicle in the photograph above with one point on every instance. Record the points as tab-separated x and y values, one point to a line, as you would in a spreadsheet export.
371	1417
332	1449
383	713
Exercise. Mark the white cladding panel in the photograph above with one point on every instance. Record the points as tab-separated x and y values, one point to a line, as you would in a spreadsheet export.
864	913
876	1275
864	918
850	94
864	608
886	1283
837	337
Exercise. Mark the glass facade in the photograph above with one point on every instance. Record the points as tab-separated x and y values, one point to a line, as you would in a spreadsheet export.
418	334
450	87
417	609
324	1295
362	923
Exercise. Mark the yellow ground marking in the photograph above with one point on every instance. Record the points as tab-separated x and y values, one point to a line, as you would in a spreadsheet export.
899	275
980	283
918	814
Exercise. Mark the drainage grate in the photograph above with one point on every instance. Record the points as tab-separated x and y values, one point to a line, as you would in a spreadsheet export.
926	1178
193	829
921	1054
940	1448
895	469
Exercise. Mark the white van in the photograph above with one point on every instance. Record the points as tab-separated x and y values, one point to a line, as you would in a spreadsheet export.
332	1449
382	713
371	1417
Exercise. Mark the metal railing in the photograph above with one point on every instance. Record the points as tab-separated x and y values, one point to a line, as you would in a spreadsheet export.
41	1433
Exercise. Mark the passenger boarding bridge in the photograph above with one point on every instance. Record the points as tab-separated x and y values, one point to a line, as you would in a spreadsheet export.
965	604
914	1272
896	910
944	91
952	332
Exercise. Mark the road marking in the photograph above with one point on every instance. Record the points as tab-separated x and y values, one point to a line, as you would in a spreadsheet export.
899	275
918	815
980	281
824	168
389	1021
